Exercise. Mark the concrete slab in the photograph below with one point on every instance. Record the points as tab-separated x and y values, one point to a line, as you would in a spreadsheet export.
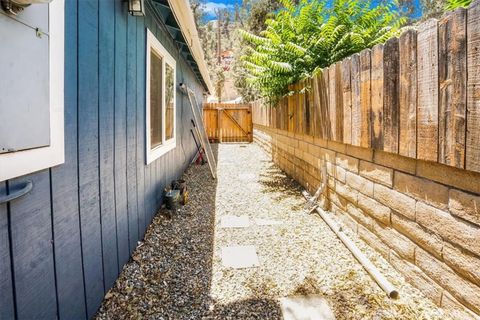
247	176
239	257
267	222
310	307
234	222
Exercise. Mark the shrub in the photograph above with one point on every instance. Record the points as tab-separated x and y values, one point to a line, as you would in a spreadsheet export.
302	38
454	4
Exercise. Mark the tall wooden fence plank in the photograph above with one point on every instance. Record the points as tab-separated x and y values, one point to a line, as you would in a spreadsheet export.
391	84
452	72
106	139
427	108
88	156
377	83
291	110
300	107
365	99
325	105
356	105
332	100
317	82
408	94
453	88
306	111
7	308
310	108
274	116
347	101
472	156
279	113
338	102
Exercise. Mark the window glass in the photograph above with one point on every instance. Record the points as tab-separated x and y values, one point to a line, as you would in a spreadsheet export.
169	98
155	100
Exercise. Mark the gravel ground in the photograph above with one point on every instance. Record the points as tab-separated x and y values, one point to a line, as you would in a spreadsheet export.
177	273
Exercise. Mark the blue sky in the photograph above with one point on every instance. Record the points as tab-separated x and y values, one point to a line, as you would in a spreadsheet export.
211	5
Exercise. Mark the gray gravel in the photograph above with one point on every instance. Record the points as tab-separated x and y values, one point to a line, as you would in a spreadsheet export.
176	273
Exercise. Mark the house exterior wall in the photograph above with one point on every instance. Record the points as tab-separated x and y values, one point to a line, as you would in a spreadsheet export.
63	245
423	217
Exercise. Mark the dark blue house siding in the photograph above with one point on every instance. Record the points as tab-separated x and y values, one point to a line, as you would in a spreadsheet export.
63	245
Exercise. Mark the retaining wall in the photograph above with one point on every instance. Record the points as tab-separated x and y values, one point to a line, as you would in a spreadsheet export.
423	217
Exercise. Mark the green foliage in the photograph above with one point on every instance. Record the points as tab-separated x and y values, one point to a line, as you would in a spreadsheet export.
454	4
251	16
309	35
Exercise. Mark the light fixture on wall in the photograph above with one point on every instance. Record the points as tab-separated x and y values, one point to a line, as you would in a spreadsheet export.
16	6
136	7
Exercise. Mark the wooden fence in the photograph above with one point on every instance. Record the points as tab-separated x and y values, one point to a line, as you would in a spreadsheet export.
228	122
417	95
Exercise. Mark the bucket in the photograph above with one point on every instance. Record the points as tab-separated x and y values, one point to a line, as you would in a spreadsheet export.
172	199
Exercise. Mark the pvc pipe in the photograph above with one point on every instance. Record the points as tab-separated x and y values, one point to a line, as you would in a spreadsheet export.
364	261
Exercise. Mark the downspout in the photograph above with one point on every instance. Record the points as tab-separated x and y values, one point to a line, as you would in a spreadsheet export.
364	261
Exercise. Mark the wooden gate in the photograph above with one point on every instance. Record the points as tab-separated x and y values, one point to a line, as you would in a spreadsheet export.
228	122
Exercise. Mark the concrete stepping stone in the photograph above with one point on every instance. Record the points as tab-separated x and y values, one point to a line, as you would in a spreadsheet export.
309	307
239	257
267	222
234	222
247	176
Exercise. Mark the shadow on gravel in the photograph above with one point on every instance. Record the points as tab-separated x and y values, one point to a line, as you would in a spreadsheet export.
274	180
170	273
255	308
309	286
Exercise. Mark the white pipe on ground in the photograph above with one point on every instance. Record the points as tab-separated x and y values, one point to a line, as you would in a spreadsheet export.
364	261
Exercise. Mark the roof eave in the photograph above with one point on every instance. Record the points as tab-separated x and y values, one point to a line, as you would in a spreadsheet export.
184	16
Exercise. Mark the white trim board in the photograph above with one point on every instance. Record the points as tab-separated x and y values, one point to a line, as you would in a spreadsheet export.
167	145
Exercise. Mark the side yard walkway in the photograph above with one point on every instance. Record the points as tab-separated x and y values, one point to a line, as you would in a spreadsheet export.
242	244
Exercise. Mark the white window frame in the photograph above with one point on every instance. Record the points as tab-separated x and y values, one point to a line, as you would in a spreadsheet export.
15	164
170	144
